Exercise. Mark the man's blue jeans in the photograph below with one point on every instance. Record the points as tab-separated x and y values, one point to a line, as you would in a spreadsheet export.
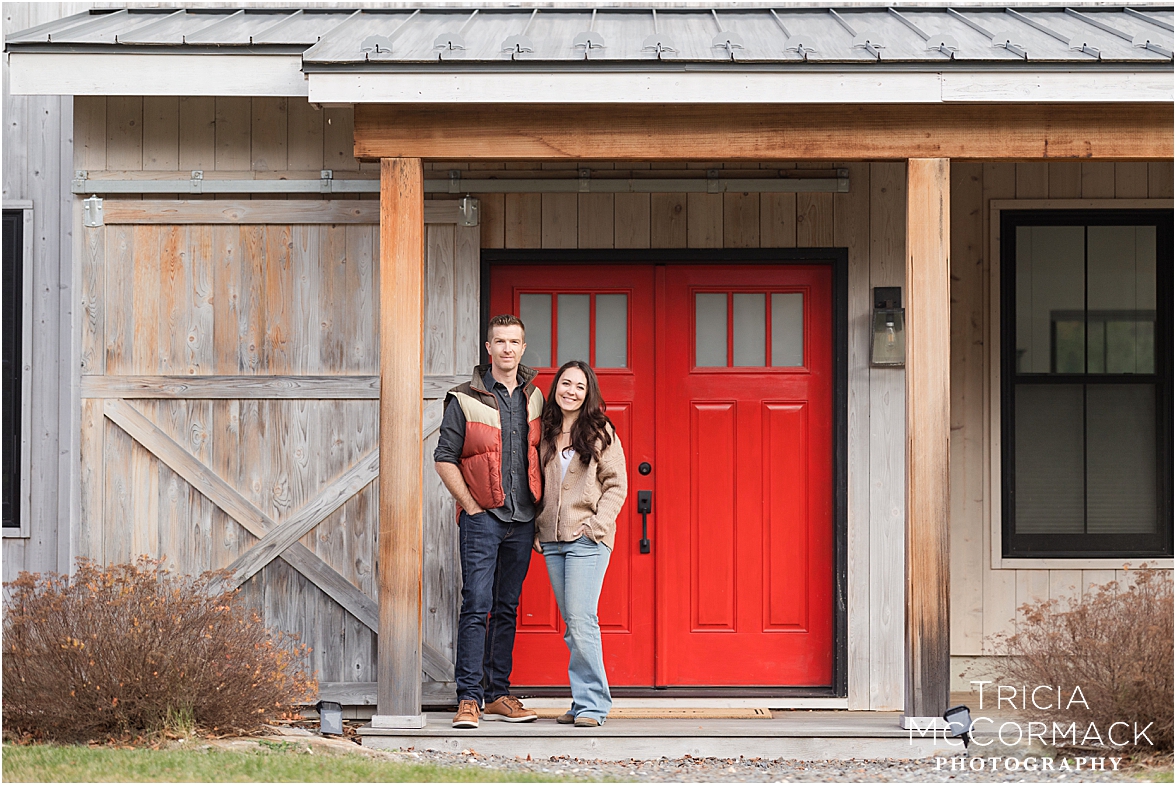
494	561
577	572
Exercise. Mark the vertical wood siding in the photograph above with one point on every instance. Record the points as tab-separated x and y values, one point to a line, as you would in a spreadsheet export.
37	167
248	316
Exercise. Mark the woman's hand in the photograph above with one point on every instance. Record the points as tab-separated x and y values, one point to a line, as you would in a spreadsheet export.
535	546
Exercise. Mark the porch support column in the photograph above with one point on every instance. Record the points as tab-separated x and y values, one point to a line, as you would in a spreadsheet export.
402	262
928	419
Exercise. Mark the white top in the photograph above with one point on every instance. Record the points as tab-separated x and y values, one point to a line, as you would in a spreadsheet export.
565	460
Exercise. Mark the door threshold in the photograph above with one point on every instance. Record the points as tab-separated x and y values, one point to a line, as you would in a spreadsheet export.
698	697
777	702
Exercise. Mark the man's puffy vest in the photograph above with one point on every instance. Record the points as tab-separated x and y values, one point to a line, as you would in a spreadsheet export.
481	455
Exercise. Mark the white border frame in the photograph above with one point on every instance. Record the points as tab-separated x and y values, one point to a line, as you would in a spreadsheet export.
26	371
999	562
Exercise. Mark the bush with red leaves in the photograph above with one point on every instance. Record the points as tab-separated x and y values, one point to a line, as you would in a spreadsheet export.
1114	643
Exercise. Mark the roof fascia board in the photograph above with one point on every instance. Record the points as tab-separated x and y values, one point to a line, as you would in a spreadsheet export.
749	88
156	74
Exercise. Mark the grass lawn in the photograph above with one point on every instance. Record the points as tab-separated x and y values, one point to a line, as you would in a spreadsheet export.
274	763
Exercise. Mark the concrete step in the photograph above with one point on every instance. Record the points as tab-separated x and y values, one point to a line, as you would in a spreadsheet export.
799	735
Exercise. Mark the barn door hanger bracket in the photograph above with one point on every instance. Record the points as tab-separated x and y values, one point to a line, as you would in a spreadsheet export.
92	211
467	211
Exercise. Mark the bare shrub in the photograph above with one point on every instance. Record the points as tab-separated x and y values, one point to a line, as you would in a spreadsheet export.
1115	643
132	649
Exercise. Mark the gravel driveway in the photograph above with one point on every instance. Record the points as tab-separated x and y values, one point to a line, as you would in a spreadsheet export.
756	770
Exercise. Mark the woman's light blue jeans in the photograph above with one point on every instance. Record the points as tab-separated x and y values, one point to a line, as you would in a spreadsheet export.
577	571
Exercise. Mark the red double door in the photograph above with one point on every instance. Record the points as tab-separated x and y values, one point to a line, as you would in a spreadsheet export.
719	380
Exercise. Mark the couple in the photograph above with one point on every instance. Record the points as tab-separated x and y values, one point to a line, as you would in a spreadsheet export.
529	474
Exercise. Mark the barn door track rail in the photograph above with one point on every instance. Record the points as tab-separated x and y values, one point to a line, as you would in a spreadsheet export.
585	181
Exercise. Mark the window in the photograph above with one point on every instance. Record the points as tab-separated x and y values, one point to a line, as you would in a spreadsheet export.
748	329
1086	380
13	345
593	327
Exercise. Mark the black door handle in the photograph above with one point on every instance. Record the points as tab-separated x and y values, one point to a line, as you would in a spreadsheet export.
644	507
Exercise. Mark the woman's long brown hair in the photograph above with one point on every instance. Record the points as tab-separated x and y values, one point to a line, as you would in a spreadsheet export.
590	433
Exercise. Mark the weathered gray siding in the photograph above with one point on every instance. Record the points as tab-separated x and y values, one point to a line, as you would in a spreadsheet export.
38	165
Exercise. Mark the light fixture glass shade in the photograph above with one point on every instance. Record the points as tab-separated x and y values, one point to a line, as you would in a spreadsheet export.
888	338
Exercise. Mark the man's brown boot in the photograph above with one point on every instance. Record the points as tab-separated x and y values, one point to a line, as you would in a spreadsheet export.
467	714
509	709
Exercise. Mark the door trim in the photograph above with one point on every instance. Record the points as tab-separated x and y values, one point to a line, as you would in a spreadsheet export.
838	259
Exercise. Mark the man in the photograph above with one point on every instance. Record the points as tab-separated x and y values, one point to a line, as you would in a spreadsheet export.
487	456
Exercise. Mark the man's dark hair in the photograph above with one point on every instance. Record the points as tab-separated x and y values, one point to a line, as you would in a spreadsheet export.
505	320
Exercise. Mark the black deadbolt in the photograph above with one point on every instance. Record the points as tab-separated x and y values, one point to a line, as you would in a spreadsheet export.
644	468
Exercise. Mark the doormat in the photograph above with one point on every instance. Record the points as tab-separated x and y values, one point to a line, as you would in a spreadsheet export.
672	714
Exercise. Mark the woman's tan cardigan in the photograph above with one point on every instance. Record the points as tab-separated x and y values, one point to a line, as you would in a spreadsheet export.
591	495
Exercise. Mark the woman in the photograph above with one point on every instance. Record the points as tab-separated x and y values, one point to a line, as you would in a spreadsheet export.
585	484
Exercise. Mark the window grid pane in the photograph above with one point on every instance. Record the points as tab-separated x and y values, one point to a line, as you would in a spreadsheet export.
748	317
788	329
710	329
535	311
612	330
571	340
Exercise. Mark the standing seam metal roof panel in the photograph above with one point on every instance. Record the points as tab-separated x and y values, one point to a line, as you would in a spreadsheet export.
788	35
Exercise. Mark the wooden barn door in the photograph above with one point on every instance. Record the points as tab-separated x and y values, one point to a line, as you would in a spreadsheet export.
229	411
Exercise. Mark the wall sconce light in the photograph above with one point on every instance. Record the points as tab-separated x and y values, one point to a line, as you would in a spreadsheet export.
888	339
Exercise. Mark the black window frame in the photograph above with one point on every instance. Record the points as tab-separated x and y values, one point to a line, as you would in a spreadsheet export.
12	287
1086	545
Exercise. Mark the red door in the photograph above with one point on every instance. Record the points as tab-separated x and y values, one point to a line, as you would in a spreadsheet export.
745	491
740	578
603	315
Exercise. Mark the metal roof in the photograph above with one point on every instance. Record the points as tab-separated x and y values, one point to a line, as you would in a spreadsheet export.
793	36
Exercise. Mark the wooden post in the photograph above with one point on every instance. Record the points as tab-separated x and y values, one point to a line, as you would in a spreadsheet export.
402	263
928	388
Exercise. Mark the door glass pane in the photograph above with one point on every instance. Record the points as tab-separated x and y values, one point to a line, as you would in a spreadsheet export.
1121	298
788	329
1120	458
749	323
710	329
1050	299
535	311
612	330
572	338
1049	465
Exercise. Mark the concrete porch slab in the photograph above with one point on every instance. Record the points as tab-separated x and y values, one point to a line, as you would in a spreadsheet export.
800	735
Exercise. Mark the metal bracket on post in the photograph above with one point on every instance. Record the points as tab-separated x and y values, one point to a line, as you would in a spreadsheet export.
712	181
325	178
467	211
585	180
92	211
79	181
197	182
842	181
454	181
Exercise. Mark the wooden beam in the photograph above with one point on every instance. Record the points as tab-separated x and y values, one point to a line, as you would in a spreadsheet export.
928	402
254	387
325	502
401	543
261	211
232	387
766	132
